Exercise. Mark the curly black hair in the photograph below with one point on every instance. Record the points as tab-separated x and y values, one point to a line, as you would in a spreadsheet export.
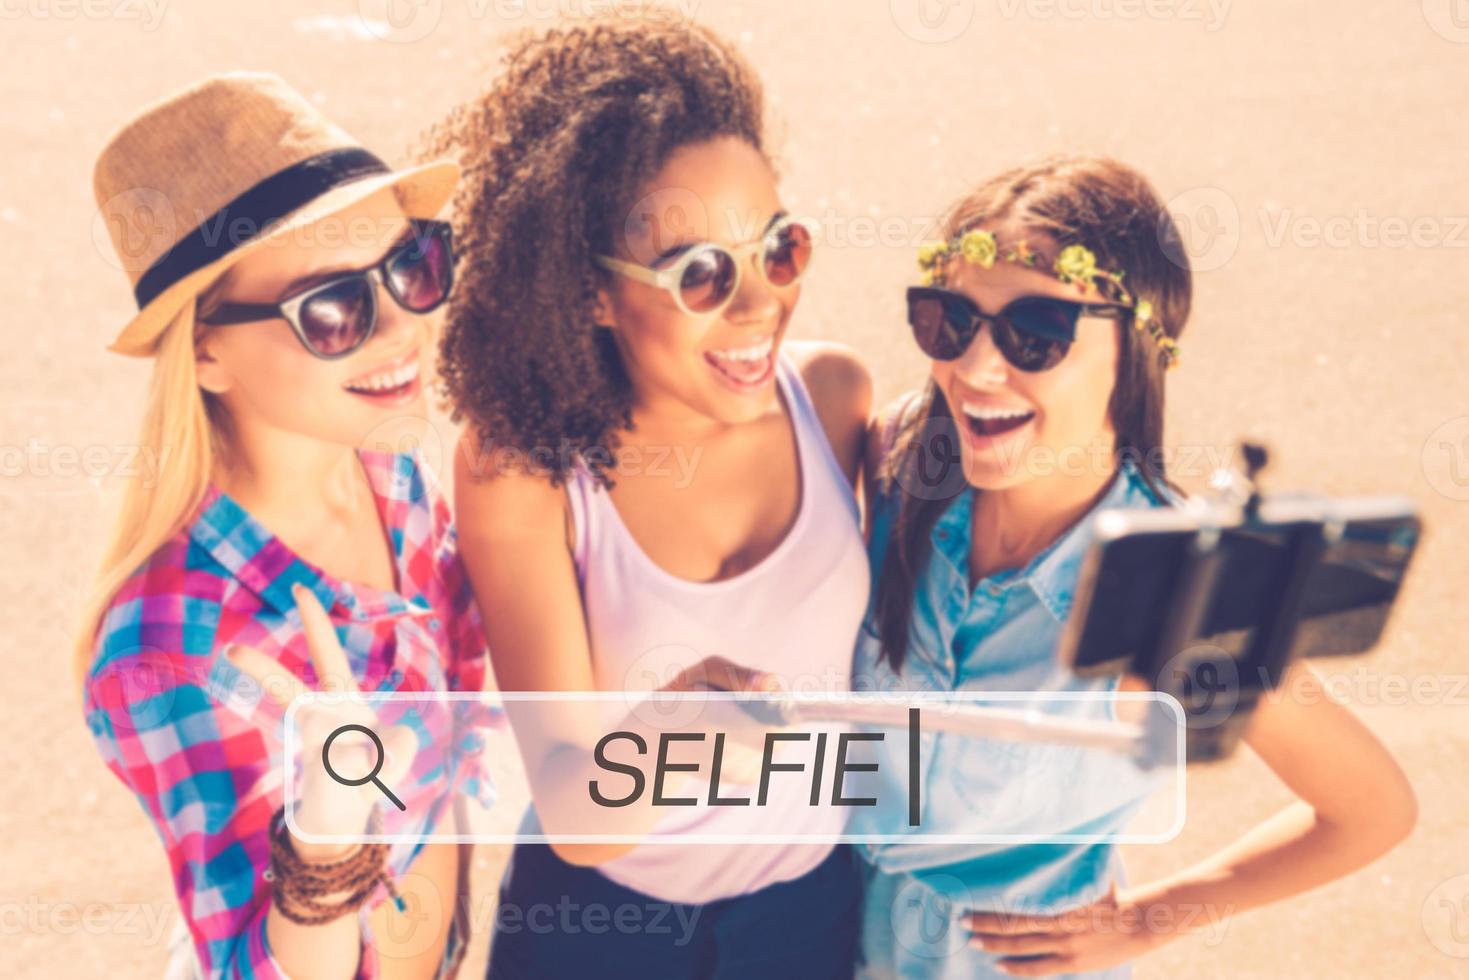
554	154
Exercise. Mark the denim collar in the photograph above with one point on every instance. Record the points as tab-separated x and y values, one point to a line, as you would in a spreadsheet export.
1052	574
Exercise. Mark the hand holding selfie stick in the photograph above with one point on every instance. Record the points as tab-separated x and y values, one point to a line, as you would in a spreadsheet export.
1212	645
1213	600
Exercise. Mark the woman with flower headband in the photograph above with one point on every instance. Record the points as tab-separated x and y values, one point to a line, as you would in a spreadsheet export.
1050	313
285	285
656	482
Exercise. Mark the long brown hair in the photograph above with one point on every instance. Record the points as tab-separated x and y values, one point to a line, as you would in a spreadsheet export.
1112	210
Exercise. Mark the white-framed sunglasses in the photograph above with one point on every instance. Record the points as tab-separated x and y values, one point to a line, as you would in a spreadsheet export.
704	278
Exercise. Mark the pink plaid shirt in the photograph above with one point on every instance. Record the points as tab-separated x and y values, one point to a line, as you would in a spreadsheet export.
189	734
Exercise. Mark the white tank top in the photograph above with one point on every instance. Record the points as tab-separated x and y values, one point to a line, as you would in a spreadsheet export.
794	614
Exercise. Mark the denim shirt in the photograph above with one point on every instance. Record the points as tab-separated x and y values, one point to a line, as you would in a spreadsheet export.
1000	636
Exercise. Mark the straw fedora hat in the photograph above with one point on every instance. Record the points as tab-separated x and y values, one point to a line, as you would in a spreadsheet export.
203	178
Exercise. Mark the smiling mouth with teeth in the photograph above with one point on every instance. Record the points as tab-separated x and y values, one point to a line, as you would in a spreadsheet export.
745	367
392	383
984	421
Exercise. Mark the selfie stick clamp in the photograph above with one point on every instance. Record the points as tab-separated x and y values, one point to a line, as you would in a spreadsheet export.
1257	457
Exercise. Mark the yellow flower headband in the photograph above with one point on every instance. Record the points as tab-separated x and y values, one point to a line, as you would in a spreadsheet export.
1075	264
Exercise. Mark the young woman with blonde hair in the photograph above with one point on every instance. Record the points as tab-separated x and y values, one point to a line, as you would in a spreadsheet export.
285	299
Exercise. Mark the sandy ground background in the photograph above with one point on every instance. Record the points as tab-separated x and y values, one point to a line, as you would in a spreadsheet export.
1314	151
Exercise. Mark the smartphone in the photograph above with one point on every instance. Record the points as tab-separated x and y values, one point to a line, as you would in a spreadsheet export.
1212	604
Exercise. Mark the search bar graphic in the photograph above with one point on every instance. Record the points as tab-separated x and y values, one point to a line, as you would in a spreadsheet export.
755	767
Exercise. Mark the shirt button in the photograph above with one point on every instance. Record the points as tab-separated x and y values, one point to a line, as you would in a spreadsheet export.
433	624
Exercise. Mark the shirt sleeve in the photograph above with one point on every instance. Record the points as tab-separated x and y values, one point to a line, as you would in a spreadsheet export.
199	773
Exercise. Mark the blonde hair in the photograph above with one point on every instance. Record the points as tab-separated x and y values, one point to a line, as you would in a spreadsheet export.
179	431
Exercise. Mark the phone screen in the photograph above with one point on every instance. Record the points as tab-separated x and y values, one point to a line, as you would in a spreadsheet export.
1347	595
1351	592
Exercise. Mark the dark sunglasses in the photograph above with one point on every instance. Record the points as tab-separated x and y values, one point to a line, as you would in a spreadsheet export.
334	318
1032	333
704	278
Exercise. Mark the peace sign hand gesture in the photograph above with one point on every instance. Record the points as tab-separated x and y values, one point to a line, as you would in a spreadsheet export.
367	759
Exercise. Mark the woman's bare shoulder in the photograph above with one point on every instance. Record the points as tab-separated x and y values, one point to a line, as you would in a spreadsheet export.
500	492
840	387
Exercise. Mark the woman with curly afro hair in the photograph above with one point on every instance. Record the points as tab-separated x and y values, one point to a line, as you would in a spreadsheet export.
654	485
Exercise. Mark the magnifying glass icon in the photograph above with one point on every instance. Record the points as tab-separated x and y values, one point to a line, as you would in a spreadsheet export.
371	777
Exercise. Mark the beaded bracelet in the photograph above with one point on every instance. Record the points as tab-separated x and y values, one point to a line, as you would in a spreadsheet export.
298	885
